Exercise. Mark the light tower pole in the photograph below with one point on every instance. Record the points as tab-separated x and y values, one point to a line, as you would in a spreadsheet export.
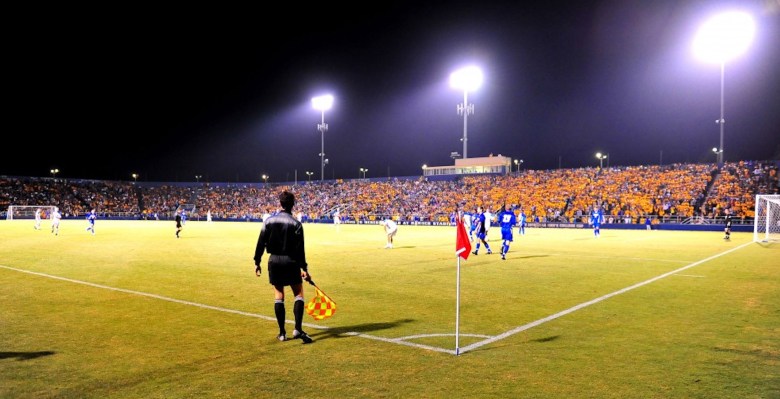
466	79
322	104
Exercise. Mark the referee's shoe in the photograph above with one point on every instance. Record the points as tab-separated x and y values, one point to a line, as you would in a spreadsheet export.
303	336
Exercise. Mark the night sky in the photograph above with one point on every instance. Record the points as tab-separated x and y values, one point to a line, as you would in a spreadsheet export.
226	93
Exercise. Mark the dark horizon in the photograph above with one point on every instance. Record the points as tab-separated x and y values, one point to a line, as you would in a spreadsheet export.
228	98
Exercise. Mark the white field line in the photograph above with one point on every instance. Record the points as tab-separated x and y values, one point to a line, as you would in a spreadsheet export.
575	255
591	302
220	309
155	296
400	341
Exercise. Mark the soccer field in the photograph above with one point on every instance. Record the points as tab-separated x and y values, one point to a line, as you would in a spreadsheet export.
134	312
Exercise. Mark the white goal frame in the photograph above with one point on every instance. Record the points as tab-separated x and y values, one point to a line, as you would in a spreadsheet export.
766	225
28	211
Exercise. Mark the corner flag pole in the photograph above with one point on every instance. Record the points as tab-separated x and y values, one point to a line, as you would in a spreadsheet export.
457	310
462	250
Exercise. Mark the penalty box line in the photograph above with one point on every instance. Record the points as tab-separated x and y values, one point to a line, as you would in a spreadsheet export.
573	309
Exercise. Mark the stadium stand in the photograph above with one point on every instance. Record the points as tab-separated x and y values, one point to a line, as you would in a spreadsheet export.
677	193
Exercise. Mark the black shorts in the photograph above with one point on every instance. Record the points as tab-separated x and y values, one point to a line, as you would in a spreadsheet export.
282	271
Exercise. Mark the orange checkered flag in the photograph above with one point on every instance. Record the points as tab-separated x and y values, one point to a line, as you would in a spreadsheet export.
321	306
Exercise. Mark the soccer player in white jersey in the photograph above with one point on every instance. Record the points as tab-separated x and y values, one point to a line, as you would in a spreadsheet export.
390	229
489	219
468	223
337	218
55	221
38	219
521	222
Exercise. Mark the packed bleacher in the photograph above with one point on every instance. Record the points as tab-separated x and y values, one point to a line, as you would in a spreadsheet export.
626	194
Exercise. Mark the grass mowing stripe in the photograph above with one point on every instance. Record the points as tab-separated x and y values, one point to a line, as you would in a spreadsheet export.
402	340
593	301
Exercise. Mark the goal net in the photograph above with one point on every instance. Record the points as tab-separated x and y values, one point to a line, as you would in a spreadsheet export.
767	218
28	211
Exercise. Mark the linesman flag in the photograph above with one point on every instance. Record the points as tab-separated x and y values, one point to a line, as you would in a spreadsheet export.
321	306
462	243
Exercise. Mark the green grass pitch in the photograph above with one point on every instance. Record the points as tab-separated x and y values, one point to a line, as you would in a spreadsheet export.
133	312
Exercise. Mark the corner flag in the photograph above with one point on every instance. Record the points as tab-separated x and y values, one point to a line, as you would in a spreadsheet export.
462	243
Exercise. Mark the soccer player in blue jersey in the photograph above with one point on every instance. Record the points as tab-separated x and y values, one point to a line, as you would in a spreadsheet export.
507	220
474	223
91	216
596	219
481	231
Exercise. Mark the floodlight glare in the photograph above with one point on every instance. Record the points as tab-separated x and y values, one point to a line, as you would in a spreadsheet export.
720	39
467	79
322	103
724	37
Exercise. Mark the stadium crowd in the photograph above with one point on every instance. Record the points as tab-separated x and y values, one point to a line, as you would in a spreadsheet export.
626	194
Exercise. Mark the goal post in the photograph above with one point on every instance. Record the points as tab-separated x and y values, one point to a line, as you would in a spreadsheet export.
766	226
28	211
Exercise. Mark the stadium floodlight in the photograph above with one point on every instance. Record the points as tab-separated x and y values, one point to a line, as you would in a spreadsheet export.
54	172
723	38
322	104
518	162
601	157
717	154
466	79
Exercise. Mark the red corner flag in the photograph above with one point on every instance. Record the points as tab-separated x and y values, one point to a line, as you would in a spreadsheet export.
462	243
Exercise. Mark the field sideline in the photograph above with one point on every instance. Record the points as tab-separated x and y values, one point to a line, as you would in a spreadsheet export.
134	312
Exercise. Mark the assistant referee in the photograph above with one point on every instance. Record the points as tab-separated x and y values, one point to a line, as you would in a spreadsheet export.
282	237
